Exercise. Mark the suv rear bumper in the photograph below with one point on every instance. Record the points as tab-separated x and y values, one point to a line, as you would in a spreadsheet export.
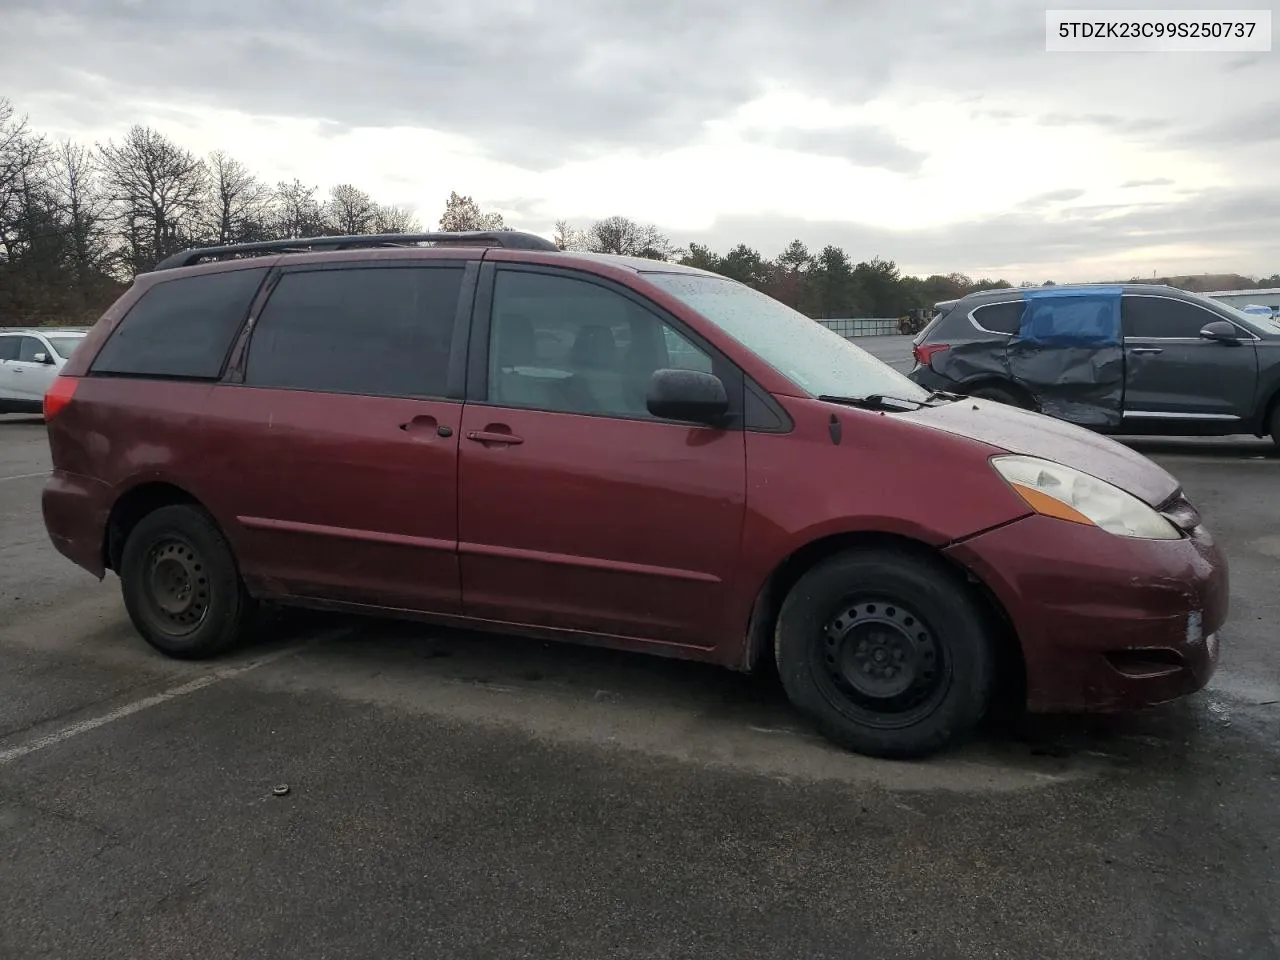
1105	623
75	518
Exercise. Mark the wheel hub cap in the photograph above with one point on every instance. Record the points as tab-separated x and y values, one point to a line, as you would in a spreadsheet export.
882	655
179	586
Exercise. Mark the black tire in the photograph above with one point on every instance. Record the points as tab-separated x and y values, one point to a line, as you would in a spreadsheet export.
854	613
999	394
181	585
1275	425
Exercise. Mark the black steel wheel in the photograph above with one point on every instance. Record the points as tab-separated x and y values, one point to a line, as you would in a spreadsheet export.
882	661
887	651
181	585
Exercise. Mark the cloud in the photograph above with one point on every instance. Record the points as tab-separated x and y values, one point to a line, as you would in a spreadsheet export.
1051	197
863	145
932	132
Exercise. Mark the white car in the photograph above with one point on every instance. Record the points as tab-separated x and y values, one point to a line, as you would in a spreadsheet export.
29	360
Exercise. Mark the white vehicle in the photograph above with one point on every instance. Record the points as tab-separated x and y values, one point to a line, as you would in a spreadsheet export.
29	360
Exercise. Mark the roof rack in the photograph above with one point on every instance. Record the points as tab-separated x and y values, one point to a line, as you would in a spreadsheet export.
508	239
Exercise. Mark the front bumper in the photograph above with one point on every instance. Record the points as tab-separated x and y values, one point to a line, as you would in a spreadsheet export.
1105	623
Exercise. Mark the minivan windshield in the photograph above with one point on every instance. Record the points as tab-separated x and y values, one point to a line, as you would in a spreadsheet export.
802	350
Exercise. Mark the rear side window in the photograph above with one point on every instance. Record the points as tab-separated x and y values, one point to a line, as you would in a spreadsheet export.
1003	318
376	331
1161	318
182	327
9	348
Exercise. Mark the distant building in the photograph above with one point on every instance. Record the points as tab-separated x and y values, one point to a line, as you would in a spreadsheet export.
1243	298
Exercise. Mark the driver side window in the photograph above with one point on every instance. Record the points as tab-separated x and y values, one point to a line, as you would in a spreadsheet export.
572	346
28	347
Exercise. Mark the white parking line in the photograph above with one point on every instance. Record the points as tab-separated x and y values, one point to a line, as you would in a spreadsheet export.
24	476
128	709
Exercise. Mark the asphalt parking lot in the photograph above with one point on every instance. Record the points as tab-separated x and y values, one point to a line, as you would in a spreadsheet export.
456	795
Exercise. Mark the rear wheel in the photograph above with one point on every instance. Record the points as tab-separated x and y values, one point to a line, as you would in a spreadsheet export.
1275	425
1000	394
886	652
181	586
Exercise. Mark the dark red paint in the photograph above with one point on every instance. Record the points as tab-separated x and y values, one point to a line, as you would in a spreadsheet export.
634	534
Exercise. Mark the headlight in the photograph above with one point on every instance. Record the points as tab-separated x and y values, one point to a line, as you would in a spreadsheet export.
1052	490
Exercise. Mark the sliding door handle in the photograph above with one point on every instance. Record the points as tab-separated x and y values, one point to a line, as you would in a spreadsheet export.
495	436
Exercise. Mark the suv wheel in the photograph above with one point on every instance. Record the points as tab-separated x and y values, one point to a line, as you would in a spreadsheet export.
886	652
181	586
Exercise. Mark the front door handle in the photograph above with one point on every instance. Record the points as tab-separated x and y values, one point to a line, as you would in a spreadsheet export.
492	435
1146	349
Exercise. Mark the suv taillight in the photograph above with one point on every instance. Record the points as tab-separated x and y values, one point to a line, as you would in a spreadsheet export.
58	396
923	352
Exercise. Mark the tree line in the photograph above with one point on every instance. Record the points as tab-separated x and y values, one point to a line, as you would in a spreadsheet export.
78	222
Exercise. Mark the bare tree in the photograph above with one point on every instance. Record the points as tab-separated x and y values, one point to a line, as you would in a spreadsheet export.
83	205
622	235
395	219
462	213
297	213
157	189
236	207
24	158
569	238
349	210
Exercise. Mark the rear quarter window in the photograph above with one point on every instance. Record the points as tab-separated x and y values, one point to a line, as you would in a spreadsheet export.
1002	318
181	328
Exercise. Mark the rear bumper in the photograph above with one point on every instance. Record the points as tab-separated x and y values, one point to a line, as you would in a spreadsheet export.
75	517
928	378
1106	623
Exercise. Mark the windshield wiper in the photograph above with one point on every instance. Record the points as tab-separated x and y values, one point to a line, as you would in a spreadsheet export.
874	401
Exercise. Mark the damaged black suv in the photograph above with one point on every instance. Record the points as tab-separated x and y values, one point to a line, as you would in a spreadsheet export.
1118	358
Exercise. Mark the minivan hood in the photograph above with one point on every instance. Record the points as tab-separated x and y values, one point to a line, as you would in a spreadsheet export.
1036	435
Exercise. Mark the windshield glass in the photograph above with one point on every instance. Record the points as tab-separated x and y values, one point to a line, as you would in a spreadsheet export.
803	350
64	345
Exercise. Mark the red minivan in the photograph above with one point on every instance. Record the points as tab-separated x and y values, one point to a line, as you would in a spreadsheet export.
482	430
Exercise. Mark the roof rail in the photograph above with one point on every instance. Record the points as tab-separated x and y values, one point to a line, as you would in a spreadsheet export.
509	239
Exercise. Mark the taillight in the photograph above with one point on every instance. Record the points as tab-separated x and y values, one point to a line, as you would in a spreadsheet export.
58	396
924	352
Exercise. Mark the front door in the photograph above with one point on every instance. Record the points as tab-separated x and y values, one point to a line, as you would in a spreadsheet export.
26	377
340	447
1172	373
579	510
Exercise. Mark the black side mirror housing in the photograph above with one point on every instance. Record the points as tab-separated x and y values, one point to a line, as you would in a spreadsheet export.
687	395
1220	331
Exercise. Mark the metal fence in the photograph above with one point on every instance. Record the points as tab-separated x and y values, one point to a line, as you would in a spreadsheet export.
862	327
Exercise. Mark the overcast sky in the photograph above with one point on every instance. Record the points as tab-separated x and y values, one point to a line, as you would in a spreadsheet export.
940	135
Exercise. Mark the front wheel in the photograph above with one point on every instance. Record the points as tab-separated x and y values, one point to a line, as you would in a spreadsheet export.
886	652
181	585
1275	425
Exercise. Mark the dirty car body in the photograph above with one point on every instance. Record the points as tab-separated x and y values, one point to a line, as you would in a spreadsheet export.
1123	358
619	452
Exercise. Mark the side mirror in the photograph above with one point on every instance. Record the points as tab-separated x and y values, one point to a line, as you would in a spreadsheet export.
687	395
1220	331
42	357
